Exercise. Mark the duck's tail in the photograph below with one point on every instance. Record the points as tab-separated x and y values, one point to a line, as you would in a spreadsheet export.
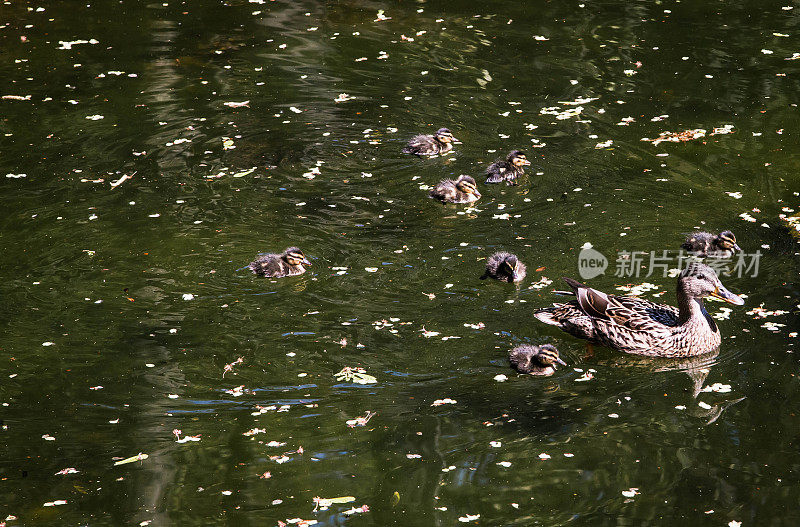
546	315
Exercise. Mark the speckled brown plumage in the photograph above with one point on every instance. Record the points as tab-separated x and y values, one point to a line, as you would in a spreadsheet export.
701	243
535	360
462	190
289	263
508	169
430	145
638	326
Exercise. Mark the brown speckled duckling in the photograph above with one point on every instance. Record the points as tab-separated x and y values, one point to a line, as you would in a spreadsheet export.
508	169
641	327
535	360
462	190
504	266
289	263
430	145
722	245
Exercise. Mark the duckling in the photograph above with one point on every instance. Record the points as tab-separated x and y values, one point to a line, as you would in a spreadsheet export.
722	245
289	263
508	169
504	266
430	145
535	360
462	190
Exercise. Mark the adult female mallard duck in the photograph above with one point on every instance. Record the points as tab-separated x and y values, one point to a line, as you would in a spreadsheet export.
634	325
289	263
535	360
462	190
430	145
722	245
504	266
508	169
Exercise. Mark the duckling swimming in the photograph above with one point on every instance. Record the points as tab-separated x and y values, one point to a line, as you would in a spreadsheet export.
289	263
535	360
462	190
430	145
508	169
504	266
722	245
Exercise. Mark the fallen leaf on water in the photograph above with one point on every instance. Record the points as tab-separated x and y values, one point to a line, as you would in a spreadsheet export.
357	375
323	503
356	510
361	421
132	459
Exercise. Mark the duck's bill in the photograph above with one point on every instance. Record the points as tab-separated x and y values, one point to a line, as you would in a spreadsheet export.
736	248
561	362
306	262
723	294
455	141
525	162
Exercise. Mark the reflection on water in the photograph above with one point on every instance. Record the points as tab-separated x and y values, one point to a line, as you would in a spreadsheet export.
124	305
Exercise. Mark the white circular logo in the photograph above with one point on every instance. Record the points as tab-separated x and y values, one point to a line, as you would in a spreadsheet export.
591	263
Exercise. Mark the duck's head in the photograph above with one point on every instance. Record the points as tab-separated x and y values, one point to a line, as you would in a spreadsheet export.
518	158
467	185
511	265
699	280
727	241
295	256
548	354
444	135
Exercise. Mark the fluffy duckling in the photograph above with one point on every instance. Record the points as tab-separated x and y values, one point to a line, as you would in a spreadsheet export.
504	266
430	145
722	245
508	169
289	263
462	190
535	360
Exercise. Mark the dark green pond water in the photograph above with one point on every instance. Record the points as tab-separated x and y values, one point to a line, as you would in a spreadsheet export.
132	196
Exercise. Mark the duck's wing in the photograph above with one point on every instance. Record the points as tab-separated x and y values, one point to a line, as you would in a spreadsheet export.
628	311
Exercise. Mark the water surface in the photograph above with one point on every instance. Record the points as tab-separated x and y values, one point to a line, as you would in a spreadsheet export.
106	355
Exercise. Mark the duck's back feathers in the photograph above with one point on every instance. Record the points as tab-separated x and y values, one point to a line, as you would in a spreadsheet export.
268	265
422	145
498	172
698	242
